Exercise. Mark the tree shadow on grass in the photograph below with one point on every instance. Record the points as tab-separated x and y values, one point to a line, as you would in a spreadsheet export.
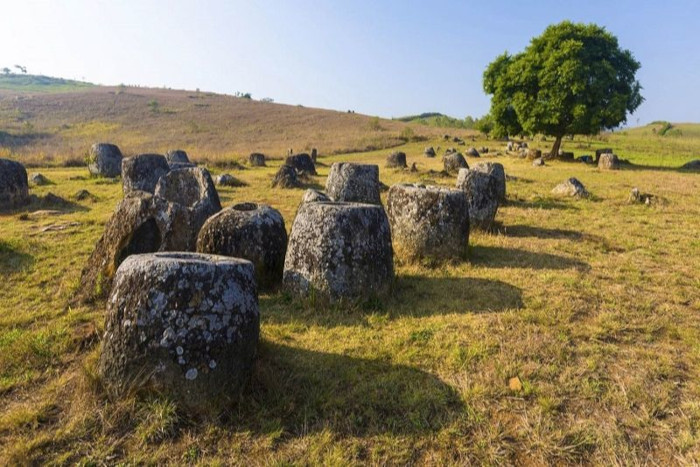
497	257
299	391
12	260
412	296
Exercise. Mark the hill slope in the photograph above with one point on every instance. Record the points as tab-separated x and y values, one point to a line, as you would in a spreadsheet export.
53	126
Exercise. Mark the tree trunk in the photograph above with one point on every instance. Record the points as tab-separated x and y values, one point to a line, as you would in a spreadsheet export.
555	149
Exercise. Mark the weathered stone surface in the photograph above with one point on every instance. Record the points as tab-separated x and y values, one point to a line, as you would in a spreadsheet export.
539	162
482	196
571	187
194	189
352	182
184	325
314	196
396	159
142	172
38	179
177	156
181	165
692	165
637	196
141	223
429	152
473	152
105	160
286	177
339	251
510	146
586	159
302	163
608	162
497	171
454	161
14	186
228	180
314	154
483	150
256	159
428	221
450	150
598	153
533	154
255	232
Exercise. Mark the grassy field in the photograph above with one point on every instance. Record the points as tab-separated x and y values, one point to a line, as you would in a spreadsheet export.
571	335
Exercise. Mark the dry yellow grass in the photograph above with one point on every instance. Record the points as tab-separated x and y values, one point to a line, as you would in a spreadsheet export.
49	129
593	305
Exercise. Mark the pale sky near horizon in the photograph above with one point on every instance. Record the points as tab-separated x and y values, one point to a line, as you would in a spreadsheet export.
388	58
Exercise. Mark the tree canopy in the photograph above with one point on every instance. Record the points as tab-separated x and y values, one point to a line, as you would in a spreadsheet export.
573	79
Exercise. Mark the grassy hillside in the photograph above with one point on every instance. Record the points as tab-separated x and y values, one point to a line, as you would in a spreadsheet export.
40	83
592	305
49	128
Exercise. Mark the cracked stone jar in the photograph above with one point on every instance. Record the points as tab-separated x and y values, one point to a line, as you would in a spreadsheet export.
181	324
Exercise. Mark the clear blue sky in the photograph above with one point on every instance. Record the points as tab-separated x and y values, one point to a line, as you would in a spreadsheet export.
387	58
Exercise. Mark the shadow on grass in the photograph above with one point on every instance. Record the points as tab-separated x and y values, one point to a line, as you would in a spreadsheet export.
412	296
12	260
520	231
54	203
497	257
298	391
544	203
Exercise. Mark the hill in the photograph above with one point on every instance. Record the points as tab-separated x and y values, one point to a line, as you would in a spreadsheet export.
40	83
59	125
437	119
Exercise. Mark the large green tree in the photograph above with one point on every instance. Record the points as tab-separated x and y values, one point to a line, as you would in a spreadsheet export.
573	79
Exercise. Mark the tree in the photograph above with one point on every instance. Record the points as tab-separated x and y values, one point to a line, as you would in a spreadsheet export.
21	68
6	71
573	79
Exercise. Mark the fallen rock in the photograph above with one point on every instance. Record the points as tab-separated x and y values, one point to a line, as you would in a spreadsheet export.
566	156
229	180
286	177
142	172
638	197
497	171
255	232
473	152
429	152
608	162
483	150
586	159
533	154
82	195
414	167
454	161
194	189
482	192
14	186
38	179
141	223
105	160
354	183
302	163
182	325
571	187
539	162
428	222
599	152
339	251
396	160
256	159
